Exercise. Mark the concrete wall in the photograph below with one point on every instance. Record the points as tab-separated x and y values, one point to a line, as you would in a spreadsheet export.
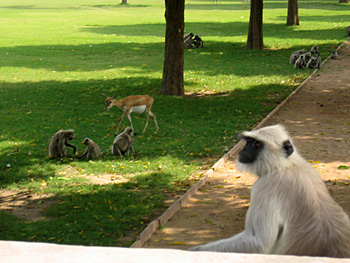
28	252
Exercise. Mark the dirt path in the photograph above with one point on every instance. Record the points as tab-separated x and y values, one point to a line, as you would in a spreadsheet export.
318	118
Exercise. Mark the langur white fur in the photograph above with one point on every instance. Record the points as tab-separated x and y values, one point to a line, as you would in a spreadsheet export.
291	211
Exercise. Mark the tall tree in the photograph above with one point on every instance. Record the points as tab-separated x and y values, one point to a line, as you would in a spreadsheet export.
173	83
124	2
255	32
292	15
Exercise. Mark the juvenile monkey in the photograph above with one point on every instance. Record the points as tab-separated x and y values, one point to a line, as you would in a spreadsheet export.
123	143
92	150
58	143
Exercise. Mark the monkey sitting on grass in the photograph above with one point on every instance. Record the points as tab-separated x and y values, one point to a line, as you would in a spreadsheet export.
92	150
58	143
122	144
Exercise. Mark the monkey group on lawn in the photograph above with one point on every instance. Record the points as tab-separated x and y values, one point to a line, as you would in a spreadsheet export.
303	59
122	144
192	41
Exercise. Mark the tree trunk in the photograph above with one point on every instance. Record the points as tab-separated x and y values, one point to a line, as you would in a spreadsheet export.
293	16
124	2
255	32
343	1
173	83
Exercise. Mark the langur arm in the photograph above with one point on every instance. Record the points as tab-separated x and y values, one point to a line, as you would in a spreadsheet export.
241	243
260	234
84	155
71	146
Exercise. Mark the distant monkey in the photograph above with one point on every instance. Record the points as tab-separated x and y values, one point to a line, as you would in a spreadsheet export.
197	41
92	150
295	55
123	143
58	143
314	50
318	60
189	35
300	62
334	54
188	42
312	63
291	211
307	57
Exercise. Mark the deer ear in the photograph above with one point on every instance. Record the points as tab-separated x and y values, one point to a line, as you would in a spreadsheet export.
114	96
105	95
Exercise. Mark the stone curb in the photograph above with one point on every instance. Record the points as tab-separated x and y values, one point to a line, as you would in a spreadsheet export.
179	203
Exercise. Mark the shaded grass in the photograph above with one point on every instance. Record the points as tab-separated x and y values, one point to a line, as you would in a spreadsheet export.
57	58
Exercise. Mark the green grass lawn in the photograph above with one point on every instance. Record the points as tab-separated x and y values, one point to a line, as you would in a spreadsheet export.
57	57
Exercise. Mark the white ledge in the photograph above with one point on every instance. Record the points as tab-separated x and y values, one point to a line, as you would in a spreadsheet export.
28	252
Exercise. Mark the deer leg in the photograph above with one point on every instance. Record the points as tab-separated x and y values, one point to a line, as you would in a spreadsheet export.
144	129
155	120
129	117
126	113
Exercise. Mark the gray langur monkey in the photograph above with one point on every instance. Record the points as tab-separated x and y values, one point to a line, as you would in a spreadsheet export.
312	63
300	62
92	149
334	54
58	143
188	42
189	35
307	57
197	42
122	144
318	60
291	211
295	55
314	50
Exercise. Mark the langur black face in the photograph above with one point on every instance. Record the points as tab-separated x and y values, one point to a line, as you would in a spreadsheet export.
251	150
69	136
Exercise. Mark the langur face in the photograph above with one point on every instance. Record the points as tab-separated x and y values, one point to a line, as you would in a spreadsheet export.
251	150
